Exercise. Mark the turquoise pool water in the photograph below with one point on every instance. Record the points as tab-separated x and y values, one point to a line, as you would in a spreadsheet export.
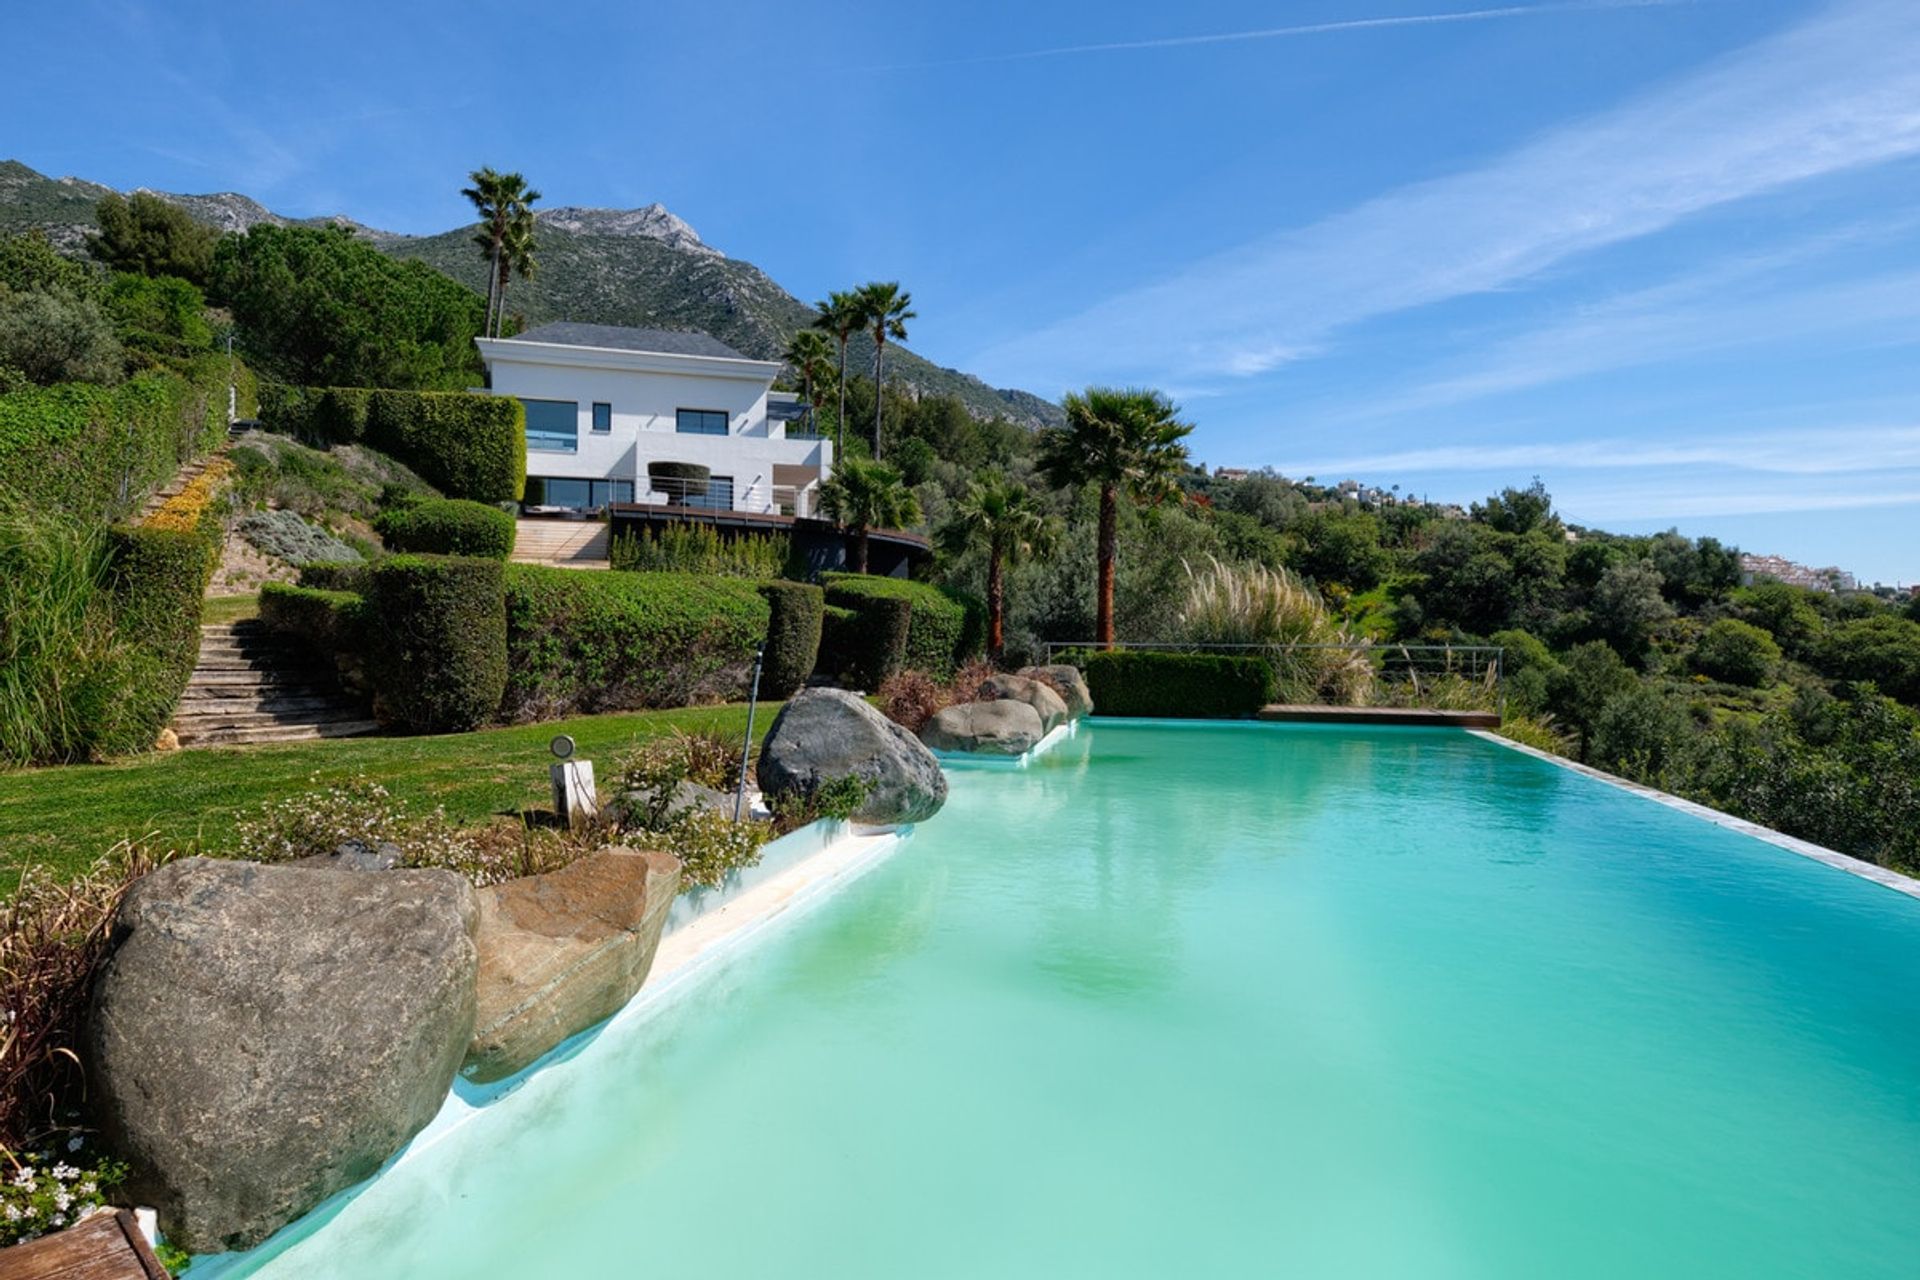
1234	1001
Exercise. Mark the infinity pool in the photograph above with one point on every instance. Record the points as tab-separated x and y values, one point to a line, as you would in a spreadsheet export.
1219	1000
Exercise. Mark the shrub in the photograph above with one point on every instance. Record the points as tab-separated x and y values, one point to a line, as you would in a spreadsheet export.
1538	732
944	629
1251	604
330	576
54	632
1190	685
448	526
837	799
1884	648
699	548
911	698
711	846
331	621
590	642
288	536
441	661
863	645
1736	652
796	610
1643	734
465	445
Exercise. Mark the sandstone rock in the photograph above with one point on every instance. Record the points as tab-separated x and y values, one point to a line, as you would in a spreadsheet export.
263	1036
355	855
1067	681
1050	706
822	734
167	741
1005	728
563	951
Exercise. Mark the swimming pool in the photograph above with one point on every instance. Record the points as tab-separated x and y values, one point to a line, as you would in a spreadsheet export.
1193	999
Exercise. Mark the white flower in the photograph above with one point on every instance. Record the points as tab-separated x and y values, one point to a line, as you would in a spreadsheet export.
13	1213
59	1220
25	1178
65	1172
89	1188
62	1201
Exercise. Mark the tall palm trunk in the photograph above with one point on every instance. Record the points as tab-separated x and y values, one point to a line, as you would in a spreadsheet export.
879	388
1109	536
500	317
493	288
996	604
860	548
840	418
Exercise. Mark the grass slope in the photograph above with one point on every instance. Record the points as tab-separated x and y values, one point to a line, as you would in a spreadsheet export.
63	818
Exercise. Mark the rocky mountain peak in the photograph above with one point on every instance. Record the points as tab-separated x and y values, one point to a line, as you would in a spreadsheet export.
653	222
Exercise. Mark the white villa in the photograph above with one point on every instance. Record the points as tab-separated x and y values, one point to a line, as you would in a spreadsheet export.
604	402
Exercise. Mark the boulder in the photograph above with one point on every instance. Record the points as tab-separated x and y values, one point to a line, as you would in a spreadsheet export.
823	734
1004	728
563	951
354	855
638	807
1067	681
265	1036
1051	707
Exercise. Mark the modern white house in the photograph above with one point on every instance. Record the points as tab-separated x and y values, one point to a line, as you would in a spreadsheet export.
619	415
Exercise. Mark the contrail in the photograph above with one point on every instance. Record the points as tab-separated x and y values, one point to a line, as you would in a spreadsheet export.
1310	29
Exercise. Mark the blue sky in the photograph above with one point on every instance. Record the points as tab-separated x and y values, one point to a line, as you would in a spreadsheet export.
1664	255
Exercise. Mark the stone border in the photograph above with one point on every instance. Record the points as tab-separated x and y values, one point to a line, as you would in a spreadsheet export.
1792	844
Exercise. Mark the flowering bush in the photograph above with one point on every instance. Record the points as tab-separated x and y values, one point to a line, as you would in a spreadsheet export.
710	844
47	1193
321	820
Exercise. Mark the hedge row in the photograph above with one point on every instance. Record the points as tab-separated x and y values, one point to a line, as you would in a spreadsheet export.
465	445
590	642
95	453
448	526
335	622
338	576
793	636
945	628
439	663
863	644
1202	686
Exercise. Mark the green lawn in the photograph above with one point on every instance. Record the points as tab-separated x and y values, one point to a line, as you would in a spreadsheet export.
65	817
229	609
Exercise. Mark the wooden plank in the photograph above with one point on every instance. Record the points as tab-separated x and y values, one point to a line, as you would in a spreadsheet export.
1305	713
106	1246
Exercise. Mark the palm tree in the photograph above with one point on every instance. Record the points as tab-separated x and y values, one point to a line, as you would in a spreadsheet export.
862	496
500	199
811	355
1005	517
887	308
841	315
1125	441
516	258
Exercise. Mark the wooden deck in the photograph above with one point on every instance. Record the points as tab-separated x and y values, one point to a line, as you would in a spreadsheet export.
107	1246
1304	713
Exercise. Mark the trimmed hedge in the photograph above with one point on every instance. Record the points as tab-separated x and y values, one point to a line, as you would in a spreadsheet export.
465	445
1201	686
440	664
332	621
336	576
448	526
95	453
793	636
615	641
946	628
864	644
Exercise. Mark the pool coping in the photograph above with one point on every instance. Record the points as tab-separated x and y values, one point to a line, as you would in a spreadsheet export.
1792	844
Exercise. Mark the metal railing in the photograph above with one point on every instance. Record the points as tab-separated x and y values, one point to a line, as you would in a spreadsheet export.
1449	677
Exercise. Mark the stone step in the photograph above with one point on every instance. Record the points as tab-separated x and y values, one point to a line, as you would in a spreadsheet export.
198	722
234	664
278	733
287	704
265	684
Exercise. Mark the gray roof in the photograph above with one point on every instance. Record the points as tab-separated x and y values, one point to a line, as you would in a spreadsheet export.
666	341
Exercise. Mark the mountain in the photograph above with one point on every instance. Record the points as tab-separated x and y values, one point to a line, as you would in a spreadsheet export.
603	266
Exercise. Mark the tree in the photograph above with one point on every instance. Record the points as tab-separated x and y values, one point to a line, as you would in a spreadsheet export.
1125	442
151	237
1340	547
316	306
53	326
1582	686
1736	652
811	355
886	307
1627	605
863	496
1884	648
505	235
1003	516
1517	510
841	315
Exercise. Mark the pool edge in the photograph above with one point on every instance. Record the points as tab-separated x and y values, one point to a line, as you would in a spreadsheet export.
1792	844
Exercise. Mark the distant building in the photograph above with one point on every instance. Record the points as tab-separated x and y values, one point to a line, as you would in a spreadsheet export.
1780	569
1231	473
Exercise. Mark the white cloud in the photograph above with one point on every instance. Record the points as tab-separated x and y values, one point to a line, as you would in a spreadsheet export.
1837	93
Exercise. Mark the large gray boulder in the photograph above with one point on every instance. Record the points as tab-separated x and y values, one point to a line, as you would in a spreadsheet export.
823	734
1005	728
563	951
265	1036
1051	707
1067	681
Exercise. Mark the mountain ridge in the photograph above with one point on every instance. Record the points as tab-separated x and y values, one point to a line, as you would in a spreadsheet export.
644	267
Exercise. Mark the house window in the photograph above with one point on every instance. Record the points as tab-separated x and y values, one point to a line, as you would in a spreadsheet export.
702	422
719	495
553	426
602	417
580	495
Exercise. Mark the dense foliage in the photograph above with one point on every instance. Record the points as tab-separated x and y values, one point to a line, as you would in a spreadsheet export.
1204	685
441	661
591	642
864	642
448	526
318	306
465	445
148	236
700	548
944	627
793	636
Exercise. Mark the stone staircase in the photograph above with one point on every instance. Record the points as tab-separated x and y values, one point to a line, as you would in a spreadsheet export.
566	544
252	685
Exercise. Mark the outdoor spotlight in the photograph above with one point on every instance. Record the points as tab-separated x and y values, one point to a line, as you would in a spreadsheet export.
561	746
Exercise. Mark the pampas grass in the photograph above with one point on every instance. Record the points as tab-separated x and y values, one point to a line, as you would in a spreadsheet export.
1254	606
